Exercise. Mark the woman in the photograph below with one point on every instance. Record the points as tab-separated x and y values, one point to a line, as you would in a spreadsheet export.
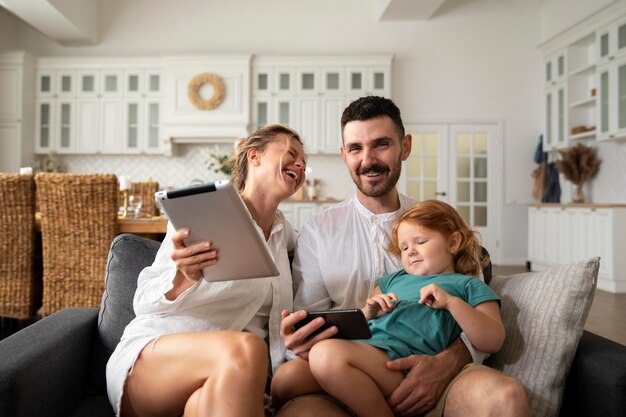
197	348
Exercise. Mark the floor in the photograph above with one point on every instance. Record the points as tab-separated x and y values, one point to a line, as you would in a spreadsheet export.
607	317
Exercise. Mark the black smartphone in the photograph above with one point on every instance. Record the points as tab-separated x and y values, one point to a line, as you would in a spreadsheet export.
350	323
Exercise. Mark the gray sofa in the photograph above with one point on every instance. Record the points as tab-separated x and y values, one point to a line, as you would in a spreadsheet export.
55	367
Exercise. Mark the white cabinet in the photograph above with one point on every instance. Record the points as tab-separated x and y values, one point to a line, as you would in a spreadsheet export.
611	41
310	93
17	81
556	116
298	213
560	234
90	107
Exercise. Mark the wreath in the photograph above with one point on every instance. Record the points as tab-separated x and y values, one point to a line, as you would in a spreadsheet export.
193	89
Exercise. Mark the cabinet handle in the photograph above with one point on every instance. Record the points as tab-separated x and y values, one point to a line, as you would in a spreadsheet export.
441	193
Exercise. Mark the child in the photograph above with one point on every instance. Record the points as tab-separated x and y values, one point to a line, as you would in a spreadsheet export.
417	310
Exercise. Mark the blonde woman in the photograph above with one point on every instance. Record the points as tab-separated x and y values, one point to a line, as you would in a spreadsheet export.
197	348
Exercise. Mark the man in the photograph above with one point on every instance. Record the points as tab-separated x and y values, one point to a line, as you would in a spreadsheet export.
343	249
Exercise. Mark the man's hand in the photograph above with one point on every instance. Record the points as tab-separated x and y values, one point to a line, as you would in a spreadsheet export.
427	378
298	341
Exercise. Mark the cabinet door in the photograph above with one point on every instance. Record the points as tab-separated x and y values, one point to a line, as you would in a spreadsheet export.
333	82
45	118
46	83
620	98
65	126
88	84
10	99
133	83
309	122
304	211
262	111
379	81
153	126
308	82
88	125
330	138
284	83
356	82
133	126
10	147
112	125
111	83
66	83
561	113
154	83
262	82
604	99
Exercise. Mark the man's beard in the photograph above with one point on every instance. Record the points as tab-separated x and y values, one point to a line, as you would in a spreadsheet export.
380	187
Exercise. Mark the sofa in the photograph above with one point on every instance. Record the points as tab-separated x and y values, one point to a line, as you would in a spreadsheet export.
55	367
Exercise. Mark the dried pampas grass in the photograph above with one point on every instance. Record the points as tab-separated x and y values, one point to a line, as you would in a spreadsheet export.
579	163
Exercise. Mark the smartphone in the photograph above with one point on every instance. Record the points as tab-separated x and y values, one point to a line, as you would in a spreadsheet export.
351	323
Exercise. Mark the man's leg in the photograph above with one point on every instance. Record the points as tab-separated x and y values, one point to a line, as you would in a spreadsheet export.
486	392
313	406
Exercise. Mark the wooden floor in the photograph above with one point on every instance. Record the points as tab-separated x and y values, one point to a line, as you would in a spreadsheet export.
607	317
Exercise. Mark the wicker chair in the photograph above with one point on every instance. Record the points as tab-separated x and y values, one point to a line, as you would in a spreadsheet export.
20	292
78	223
146	190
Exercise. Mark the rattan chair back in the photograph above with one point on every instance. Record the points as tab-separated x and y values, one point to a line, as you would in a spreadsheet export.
78	223
20	294
146	190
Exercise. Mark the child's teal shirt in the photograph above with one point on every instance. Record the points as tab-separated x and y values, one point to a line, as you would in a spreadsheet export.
416	329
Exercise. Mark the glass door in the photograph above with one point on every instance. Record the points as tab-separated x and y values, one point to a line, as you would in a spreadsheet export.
456	163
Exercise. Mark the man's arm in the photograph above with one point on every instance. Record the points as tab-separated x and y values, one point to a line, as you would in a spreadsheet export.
427	378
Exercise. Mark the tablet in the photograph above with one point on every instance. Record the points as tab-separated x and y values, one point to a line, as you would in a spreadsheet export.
215	212
351	323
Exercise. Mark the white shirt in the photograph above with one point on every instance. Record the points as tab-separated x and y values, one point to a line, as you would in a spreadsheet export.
226	305
340	253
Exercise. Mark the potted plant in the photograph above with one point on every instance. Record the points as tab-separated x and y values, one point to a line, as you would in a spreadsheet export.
578	164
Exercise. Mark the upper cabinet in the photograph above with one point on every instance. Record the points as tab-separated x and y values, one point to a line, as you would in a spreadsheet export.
309	93
585	81
89	107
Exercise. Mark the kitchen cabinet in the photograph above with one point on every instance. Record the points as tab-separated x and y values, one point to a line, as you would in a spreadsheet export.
17	81
310	93
585	80
560	234
93	106
298	213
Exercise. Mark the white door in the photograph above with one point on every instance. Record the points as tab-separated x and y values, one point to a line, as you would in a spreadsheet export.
457	163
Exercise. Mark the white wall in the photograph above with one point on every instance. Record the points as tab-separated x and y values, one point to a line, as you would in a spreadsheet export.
476	59
8	30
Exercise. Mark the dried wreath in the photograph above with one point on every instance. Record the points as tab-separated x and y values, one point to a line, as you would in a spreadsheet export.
194	87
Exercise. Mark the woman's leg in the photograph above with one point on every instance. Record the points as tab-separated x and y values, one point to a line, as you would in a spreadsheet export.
356	374
293	379
219	373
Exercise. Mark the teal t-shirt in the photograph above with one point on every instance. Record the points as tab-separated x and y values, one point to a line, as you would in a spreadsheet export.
416	329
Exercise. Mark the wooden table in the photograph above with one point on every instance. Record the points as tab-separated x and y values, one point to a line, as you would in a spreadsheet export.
147	226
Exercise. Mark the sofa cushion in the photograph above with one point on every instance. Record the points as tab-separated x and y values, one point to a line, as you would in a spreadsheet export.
128	255
544	314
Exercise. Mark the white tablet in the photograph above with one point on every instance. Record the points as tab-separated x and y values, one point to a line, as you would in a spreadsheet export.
215	212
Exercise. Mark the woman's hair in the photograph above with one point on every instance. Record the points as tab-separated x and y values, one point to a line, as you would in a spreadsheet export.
443	218
238	162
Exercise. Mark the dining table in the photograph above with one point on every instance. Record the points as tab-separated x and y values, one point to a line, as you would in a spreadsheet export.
152	226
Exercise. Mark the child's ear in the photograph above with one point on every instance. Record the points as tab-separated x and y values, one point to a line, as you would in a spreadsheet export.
454	242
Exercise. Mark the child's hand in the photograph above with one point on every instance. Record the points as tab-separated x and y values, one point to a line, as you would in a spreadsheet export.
379	305
434	296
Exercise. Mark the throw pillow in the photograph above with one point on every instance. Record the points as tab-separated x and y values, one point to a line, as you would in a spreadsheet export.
544	314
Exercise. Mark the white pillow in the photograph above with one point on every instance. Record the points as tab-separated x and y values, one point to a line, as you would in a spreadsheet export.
544	314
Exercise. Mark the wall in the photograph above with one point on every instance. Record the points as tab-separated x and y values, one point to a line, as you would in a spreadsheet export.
476	59
8	30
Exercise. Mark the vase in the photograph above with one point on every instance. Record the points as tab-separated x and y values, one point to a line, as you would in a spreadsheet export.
578	196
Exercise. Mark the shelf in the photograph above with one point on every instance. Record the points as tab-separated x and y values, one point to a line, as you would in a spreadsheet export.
587	102
584	70
584	135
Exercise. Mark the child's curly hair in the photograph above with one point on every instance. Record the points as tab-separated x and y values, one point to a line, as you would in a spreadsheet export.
443	218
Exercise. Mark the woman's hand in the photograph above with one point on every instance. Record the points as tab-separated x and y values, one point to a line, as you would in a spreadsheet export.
298	341
379	305
435	297
190	260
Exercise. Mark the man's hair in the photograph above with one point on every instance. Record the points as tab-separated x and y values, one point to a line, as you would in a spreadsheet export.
369	107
